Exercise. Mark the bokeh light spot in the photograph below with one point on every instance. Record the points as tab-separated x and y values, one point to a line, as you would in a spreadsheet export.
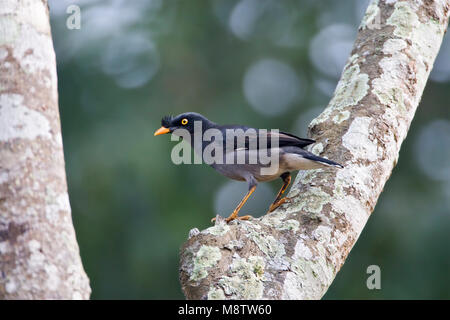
433	150
244	16
271	86
441	69
131	60
331	47
303	121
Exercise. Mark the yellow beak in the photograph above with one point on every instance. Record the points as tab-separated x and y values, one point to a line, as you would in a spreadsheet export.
162	130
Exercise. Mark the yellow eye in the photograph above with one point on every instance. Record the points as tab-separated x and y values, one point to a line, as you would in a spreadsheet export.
184	121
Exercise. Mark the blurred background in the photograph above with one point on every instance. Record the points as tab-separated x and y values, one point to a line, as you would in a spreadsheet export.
264	63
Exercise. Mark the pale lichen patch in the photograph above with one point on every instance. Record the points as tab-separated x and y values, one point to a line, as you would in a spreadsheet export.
393	46
304	177
205	258
278	220
216	294
317	149
358	177
10	286
310	274
370	18
27	31
322	234
246	280
5	247
350	90
389	87
218	230
56	204
426	40
302	250
193	232
238	244
34	245
354	211
357	140
404	19
341	116
36	258
353	86
33	13
270	246
3	54
33	52
18	121
53	279
313	201
425	37
76	295
10	30
353	207
291	225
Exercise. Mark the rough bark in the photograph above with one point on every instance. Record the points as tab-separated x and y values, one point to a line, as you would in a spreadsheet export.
296	251
39	254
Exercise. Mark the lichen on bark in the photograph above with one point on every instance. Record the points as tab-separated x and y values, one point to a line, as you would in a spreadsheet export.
39	255
362	128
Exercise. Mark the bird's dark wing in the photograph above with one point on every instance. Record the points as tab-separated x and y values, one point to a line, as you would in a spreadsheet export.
249	138
288	139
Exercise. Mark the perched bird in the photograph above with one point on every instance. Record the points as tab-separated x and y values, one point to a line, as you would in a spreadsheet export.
240	142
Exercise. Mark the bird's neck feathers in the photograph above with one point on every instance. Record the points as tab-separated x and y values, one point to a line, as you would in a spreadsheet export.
198	142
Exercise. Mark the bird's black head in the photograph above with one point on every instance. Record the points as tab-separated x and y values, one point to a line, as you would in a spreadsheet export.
182	121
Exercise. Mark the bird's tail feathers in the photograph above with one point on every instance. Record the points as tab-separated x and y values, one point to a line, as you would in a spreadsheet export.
323	161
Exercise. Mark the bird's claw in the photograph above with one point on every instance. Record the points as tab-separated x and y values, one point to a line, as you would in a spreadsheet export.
247	217
275	205
230	218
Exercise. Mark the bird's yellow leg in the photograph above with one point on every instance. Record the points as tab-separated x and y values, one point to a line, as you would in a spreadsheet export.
278	200
234	214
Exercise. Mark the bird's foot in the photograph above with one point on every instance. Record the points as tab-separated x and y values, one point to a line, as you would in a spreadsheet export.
275	205
247	217
231	218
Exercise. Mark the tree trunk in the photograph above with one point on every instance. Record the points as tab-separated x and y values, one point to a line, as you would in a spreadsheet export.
39	255
296	251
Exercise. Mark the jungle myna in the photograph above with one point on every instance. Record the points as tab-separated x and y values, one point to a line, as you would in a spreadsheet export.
239	145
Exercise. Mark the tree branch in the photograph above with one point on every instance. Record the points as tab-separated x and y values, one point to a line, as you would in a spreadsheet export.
296	251
39	255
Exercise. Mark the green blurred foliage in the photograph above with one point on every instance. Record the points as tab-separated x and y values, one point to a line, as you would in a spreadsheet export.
133	62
